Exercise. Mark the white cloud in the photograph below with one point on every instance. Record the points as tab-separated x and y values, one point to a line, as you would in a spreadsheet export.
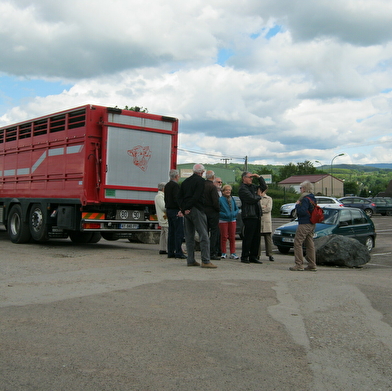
316	87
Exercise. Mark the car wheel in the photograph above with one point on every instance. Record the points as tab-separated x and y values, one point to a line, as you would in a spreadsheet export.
293	213
369	212
283	250
369	243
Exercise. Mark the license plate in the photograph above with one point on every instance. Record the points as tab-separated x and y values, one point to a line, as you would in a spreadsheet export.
130	215
129	226
288	240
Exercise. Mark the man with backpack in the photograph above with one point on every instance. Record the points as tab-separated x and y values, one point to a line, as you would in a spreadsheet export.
305	230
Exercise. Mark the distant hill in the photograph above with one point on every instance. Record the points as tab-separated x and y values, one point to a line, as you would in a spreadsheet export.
365	167
386	166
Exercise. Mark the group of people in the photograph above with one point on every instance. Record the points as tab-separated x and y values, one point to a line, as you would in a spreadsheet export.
204	208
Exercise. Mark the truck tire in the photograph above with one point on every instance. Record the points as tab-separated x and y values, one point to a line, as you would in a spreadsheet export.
18	230
37	223
110	236
80	237
95	238
85	237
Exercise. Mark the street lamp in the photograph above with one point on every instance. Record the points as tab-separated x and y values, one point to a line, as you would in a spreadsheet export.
322	178
340	154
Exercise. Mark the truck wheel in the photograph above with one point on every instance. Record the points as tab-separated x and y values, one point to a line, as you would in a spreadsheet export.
80	237
95	238
18	230
111	236
37	223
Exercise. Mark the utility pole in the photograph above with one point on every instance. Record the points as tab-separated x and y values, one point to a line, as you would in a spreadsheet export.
246	163
226	160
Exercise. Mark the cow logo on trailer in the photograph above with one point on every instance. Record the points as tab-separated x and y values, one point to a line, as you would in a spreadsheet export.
141	156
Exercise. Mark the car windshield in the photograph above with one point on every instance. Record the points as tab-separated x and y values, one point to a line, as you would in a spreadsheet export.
330	216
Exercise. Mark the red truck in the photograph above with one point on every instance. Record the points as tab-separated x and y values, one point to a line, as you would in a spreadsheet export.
84	173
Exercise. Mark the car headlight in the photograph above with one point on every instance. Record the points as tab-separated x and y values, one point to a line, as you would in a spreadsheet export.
277	232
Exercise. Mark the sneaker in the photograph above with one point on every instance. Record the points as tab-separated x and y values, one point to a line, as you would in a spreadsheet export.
234	256
209	265
296	269
311	269
223	256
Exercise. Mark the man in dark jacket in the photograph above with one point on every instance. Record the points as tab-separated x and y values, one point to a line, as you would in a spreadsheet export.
305	230
174	216
211	208
191	201
251	214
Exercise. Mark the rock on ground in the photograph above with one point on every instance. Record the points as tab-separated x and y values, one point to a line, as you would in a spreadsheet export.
340	251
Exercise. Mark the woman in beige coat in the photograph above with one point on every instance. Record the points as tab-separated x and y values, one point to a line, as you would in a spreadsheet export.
266	224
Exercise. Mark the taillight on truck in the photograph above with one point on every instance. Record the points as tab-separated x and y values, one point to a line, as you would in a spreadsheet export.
91	226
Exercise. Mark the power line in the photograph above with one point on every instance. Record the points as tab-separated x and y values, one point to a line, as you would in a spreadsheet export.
208	154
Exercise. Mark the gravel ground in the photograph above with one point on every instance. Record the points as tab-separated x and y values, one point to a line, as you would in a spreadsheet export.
118	316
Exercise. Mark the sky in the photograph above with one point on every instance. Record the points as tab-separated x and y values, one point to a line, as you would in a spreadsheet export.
273	81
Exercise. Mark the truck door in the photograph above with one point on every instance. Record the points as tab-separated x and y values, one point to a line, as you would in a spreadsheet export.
138	157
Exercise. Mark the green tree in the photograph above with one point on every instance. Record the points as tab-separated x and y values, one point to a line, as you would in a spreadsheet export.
305	168
287	171
300	169
351	188
136	108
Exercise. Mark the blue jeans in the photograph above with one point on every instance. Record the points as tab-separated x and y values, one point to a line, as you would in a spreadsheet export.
196	220
176	233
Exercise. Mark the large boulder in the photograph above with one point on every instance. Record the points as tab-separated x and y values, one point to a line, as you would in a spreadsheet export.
340	250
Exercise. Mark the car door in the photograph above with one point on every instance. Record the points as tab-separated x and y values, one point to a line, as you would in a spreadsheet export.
347	201
360	225
345	224
324	201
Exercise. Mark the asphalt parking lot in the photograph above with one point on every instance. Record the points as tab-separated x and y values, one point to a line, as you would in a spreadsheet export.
119	316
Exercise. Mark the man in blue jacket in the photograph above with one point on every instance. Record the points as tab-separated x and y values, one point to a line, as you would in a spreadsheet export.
250	196
305	230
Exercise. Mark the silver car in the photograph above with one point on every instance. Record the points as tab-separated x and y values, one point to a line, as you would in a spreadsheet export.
289	209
